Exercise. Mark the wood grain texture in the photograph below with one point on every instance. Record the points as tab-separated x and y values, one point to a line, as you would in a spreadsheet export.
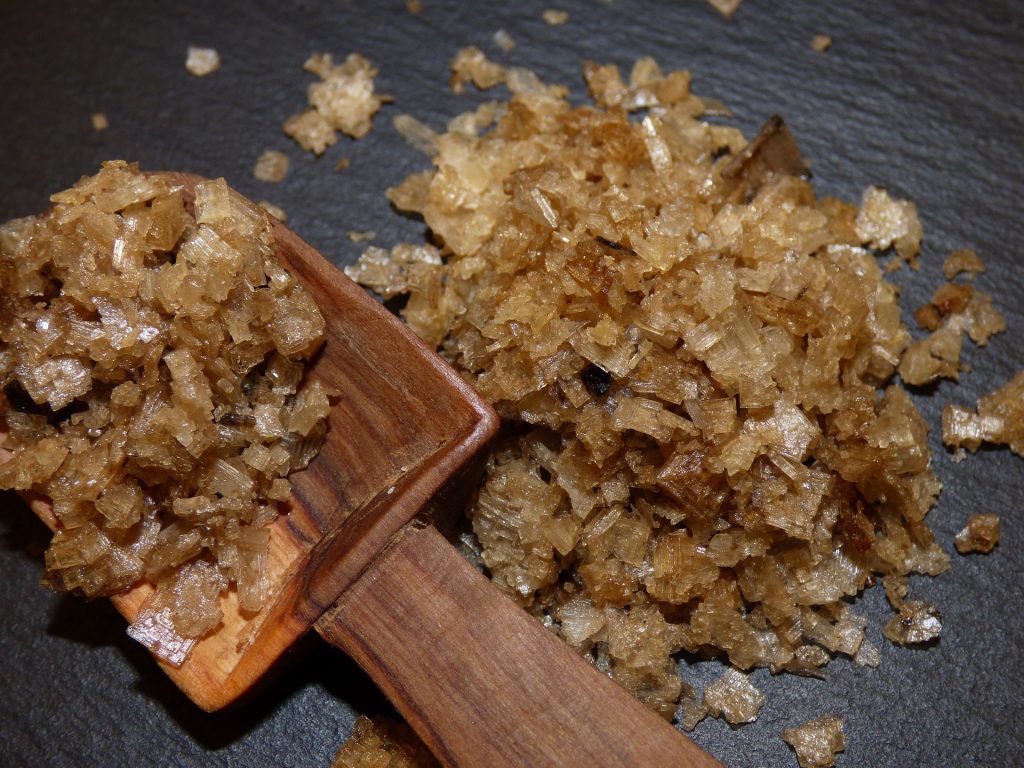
483	683
404	424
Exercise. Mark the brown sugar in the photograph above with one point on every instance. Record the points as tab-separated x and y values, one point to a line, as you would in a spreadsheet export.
821	43
383	743
963	261
152	363
916	623
271	166
726	7
734	698
202	61
343	100
817	742
981	534
554	17
998	419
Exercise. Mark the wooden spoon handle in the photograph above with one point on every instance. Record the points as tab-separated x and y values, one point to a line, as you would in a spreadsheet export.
482	682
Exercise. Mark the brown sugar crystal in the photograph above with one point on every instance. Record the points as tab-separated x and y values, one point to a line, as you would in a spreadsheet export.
817	742
383	743
981	534
271	166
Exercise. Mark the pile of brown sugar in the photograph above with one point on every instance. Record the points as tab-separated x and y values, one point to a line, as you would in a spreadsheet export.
706	449
152	359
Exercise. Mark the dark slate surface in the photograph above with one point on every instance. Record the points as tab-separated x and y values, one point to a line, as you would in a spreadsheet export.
920	95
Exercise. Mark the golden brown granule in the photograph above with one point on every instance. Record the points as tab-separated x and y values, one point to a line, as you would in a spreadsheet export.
151	360
271	166
981	534
694	357
733	697
202	61
726	7
916	623
554	17
821	43
817	742
383	743
962	261
885	222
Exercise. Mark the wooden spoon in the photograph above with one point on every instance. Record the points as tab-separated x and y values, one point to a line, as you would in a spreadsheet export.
483	683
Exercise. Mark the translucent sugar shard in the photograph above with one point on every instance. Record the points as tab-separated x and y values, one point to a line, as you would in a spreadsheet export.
202	61
817	742
122	505
311	407
734	698
249	571
148	400
885	222
296	327
980	534
681	569
916	623
155	630
417	134
271	166
579	621
213	202
56	381
844	635
982	319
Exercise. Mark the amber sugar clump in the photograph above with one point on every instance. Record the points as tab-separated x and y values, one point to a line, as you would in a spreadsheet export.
817	742
694	355
343	100
152	360
383	743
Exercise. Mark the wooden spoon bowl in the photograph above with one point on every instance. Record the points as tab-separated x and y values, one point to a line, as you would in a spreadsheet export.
482	682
